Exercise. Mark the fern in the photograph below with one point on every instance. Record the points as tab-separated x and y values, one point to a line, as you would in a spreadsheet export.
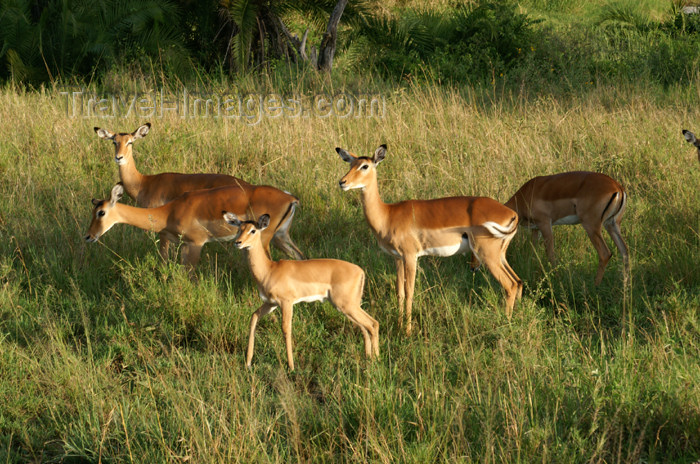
244	13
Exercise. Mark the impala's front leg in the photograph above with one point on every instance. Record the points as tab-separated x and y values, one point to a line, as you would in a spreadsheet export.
534	237
191	253
400	288
545	227
411	263
263	310
163	247
287	331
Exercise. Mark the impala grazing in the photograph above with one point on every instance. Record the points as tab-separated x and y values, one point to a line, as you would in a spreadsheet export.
690	137
193	218
440	227
284	283
150	191
591	199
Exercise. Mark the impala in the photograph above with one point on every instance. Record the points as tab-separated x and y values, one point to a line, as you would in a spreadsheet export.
439	227
284	283
194	218
591	199
690	137
150	191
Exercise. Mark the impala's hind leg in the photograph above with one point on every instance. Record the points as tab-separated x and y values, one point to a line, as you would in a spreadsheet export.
595	234
504	261
490	251
284	242
367	324
613	228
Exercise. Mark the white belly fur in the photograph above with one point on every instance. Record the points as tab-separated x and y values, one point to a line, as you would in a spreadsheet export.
447	250
567	221
304	299
311	298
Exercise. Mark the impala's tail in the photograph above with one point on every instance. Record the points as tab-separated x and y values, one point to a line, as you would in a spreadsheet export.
500	230
618	199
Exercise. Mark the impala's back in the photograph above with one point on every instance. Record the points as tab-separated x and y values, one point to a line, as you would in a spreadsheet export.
564	197
150	191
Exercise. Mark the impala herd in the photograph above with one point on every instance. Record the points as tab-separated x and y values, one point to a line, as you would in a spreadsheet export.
193	209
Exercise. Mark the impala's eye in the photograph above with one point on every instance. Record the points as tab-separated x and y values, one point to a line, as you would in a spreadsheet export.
364	167
252	231
101	213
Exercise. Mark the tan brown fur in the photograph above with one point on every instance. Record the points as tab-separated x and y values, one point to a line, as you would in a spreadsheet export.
284	283
412	228
150	191
193	218
592	199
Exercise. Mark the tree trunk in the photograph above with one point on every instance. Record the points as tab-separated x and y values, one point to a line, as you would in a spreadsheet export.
327	47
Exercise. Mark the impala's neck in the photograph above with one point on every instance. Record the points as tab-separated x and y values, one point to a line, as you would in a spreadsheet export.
375	209
154	219
260	263
131	178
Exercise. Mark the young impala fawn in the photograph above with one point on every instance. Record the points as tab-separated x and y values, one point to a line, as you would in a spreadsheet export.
591	199
284	283
439	227
193	218
150	191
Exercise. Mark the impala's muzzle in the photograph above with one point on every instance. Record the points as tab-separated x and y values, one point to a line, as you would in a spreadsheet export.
90	238
342	184
119	159
239	244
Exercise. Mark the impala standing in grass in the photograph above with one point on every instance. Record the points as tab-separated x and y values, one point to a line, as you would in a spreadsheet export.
441	227
150	191
193	218
284	283
591	199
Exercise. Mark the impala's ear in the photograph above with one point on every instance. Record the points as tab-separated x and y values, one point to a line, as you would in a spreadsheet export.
379	154
95	202
263	222
689	136
347	156
104	133
142	131
231	219
117	193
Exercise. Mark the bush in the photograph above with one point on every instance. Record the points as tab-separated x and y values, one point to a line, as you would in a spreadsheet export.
466	43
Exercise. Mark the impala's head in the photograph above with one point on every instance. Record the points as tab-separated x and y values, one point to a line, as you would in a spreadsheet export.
362	168
123	141
690	137
102	220
249	231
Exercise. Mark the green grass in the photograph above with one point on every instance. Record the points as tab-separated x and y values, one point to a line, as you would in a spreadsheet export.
108	355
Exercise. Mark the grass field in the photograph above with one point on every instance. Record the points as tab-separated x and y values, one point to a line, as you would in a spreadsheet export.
108	355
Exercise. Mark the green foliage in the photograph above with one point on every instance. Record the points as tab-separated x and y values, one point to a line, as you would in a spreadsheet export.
245	14
70	38
462	44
